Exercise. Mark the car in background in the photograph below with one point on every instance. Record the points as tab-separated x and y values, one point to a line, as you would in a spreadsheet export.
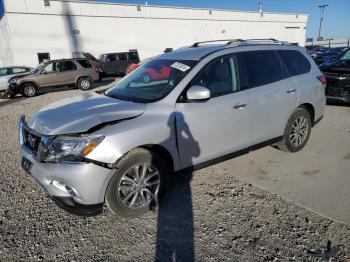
133	66
113	64
331	55
318	50
76	71
338	80
7	72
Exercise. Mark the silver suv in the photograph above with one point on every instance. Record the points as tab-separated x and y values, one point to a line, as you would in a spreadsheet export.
197	106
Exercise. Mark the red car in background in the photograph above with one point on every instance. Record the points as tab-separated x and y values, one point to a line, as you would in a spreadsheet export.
151	74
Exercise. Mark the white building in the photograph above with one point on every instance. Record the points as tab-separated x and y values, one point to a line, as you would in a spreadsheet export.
33	28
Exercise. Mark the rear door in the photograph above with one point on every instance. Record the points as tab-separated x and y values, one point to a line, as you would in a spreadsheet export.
67	71
275	94
221	125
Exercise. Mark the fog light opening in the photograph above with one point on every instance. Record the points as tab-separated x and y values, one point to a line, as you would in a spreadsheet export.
71	191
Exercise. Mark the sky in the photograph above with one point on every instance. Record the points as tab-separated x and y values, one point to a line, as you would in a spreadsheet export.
336	23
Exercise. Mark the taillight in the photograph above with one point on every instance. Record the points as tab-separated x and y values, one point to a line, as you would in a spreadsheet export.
95	67
322	79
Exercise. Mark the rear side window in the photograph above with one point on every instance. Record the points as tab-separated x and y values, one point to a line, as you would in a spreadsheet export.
122	57
262	67
66	66
133	56
295	62
84	63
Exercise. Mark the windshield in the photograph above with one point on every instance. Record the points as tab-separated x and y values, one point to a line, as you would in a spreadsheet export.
37	69
152	81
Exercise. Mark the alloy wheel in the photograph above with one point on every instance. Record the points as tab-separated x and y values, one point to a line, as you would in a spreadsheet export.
85	84
29	90
139	186
299	131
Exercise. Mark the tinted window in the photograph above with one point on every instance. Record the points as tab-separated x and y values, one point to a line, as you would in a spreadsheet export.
295	62
84	63
122	57
262	67
346	55
219	76
66	66
111	58
3	72
18	70
133	56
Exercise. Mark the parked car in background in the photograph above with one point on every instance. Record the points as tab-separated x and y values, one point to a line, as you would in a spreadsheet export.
331	55
133	66
121	146
112	64
338	80
79	72
7	72
318	50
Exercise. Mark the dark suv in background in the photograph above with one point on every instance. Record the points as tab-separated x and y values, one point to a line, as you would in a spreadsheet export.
112	64
79	72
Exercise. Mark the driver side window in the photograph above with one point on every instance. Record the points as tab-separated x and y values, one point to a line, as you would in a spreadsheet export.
219	76
50	68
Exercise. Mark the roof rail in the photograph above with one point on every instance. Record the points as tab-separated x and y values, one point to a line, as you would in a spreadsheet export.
263	41
229	41
244	41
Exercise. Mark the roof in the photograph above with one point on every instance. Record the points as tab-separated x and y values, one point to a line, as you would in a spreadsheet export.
192	53
197	51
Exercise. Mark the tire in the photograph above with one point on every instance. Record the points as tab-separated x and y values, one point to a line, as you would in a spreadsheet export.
84	84
297	131
129	198
29	90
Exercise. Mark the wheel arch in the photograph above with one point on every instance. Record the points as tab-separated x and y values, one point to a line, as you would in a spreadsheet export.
310	108
82	77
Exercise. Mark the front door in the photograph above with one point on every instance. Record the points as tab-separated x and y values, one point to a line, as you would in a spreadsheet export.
49	75
221	125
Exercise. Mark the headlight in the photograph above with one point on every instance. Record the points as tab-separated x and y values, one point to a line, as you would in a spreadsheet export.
13	81
66	148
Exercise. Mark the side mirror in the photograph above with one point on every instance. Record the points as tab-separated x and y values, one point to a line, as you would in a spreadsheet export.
198	93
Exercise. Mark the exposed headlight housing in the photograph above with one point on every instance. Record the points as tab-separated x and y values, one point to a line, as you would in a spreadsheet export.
65	148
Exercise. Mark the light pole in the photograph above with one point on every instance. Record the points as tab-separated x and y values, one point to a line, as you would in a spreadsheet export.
319	38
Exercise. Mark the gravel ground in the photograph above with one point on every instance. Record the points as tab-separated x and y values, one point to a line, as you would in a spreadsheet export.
207	215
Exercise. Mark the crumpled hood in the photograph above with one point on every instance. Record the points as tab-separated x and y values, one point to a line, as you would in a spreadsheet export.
20	75
80	113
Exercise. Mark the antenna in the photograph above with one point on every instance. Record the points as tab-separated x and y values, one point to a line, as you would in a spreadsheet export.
261	9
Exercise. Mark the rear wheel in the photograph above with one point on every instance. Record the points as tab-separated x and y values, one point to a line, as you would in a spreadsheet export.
28	90
84	84
140	180
297	131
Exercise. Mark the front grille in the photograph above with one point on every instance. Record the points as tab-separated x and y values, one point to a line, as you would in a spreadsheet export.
31	140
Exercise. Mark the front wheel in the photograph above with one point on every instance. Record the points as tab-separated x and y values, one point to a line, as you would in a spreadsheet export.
84	84
297	131
140	180
29	90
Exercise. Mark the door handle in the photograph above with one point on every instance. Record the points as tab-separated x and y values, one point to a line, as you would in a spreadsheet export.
239	106
291	91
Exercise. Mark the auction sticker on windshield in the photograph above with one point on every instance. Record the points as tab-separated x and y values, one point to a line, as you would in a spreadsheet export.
180	66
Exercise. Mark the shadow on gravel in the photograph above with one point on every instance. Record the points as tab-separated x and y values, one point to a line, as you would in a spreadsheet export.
175	216
11	101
